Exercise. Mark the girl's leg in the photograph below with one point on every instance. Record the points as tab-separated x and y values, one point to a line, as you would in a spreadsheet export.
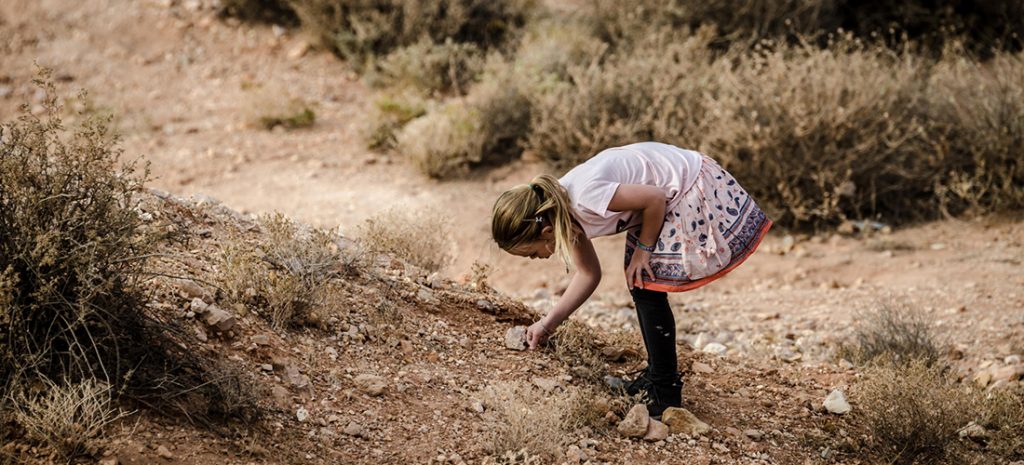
658	327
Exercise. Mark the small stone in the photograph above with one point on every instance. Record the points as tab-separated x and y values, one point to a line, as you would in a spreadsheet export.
575	455
281	396
301	414
982	378
938	246
427	296
974	432
261	340
164	452
546	384
1012	360
477	406
787	244
267	367
715	348
219	318
405	346
112	460
515	338
299	50
681	421
699	367
198	306
656	431
486	306
296	378
331	352
354	429
836	402
372	385
1010	373
635	423
845	364
191	289
754	434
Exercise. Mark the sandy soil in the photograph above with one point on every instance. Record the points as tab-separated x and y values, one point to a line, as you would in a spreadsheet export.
183	86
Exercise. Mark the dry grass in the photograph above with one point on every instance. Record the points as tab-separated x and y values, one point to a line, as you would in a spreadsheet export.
523	420
68	418
1003	416
575	344
892	333
419	236
431	68
270	107
286	276
390	114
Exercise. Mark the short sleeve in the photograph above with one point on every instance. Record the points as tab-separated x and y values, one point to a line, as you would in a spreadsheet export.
596	195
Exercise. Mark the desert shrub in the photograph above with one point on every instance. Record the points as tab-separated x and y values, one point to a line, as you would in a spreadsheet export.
913	411
1003	417
977	116
389	115
523	419
574	343
72	248
418	236
654	93
431	68
892	333
359	30
67	417
484	128
286	276
550	46
270	107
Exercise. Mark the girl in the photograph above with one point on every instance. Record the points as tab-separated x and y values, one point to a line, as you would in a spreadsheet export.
687	223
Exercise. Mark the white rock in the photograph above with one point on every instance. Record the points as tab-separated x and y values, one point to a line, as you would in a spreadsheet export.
301	414
715	348
515	338
836	402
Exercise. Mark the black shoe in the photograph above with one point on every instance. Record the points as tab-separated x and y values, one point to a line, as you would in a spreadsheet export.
640	384
661	396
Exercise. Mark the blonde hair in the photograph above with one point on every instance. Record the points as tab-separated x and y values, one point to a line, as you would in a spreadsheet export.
514	221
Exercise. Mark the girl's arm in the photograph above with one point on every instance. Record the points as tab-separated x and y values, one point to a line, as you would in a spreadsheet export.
651	201
582	285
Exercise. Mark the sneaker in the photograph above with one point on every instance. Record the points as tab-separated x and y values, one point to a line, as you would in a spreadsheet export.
640	383
664	395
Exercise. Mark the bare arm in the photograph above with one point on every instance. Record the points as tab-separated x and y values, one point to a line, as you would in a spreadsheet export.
651	201
582	285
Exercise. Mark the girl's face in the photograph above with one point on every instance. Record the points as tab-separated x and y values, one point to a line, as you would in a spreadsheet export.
543	247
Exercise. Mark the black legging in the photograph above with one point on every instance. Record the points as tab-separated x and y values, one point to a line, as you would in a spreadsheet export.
658	327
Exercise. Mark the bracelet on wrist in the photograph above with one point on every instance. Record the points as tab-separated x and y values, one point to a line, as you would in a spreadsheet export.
646	248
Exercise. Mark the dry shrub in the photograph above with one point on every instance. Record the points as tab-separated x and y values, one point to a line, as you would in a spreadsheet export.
549	47
575	344
270	107
286	277
68	417
656	92
978	115
431	68
484	128
913	411
892	333
522	419
359	30
1003	417
419	236
390	114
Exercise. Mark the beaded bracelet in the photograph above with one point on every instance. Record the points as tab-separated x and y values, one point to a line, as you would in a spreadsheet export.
646	248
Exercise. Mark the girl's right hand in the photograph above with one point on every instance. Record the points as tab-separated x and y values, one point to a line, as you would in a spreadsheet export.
537	333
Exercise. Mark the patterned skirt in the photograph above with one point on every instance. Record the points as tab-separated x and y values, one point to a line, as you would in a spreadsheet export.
707	233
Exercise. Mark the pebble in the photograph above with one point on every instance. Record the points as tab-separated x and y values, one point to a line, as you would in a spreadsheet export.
515	338
681	421
261	340
635	423
974	432
575	455
754	434
1012	360
219	318
164	452
372	385
699	367
656	431
836	402
715	348
354	429
301	414
546	384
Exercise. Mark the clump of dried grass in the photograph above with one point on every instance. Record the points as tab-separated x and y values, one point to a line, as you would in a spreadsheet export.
575	344
892	333
522	419
421	237
269	107
286	275
431	68
389	115
68	417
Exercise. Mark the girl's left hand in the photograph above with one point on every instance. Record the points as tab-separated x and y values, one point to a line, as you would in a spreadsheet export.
640	263
537	333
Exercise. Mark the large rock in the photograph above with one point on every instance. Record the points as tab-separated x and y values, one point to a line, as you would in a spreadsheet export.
219	319
681	421
371	384
836	402
656	431
515	338
635	423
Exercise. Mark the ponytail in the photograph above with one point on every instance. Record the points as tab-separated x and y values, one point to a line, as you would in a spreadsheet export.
545	199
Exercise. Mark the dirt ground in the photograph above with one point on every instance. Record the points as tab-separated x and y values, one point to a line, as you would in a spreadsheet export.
184	87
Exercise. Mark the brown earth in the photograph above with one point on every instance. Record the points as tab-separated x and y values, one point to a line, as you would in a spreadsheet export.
184	88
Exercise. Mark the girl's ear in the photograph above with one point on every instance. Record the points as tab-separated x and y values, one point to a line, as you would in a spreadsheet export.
547	232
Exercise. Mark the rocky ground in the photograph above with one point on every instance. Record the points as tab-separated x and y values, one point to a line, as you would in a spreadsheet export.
184	88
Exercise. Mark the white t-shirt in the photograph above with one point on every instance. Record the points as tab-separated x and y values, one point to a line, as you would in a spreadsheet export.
592	184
